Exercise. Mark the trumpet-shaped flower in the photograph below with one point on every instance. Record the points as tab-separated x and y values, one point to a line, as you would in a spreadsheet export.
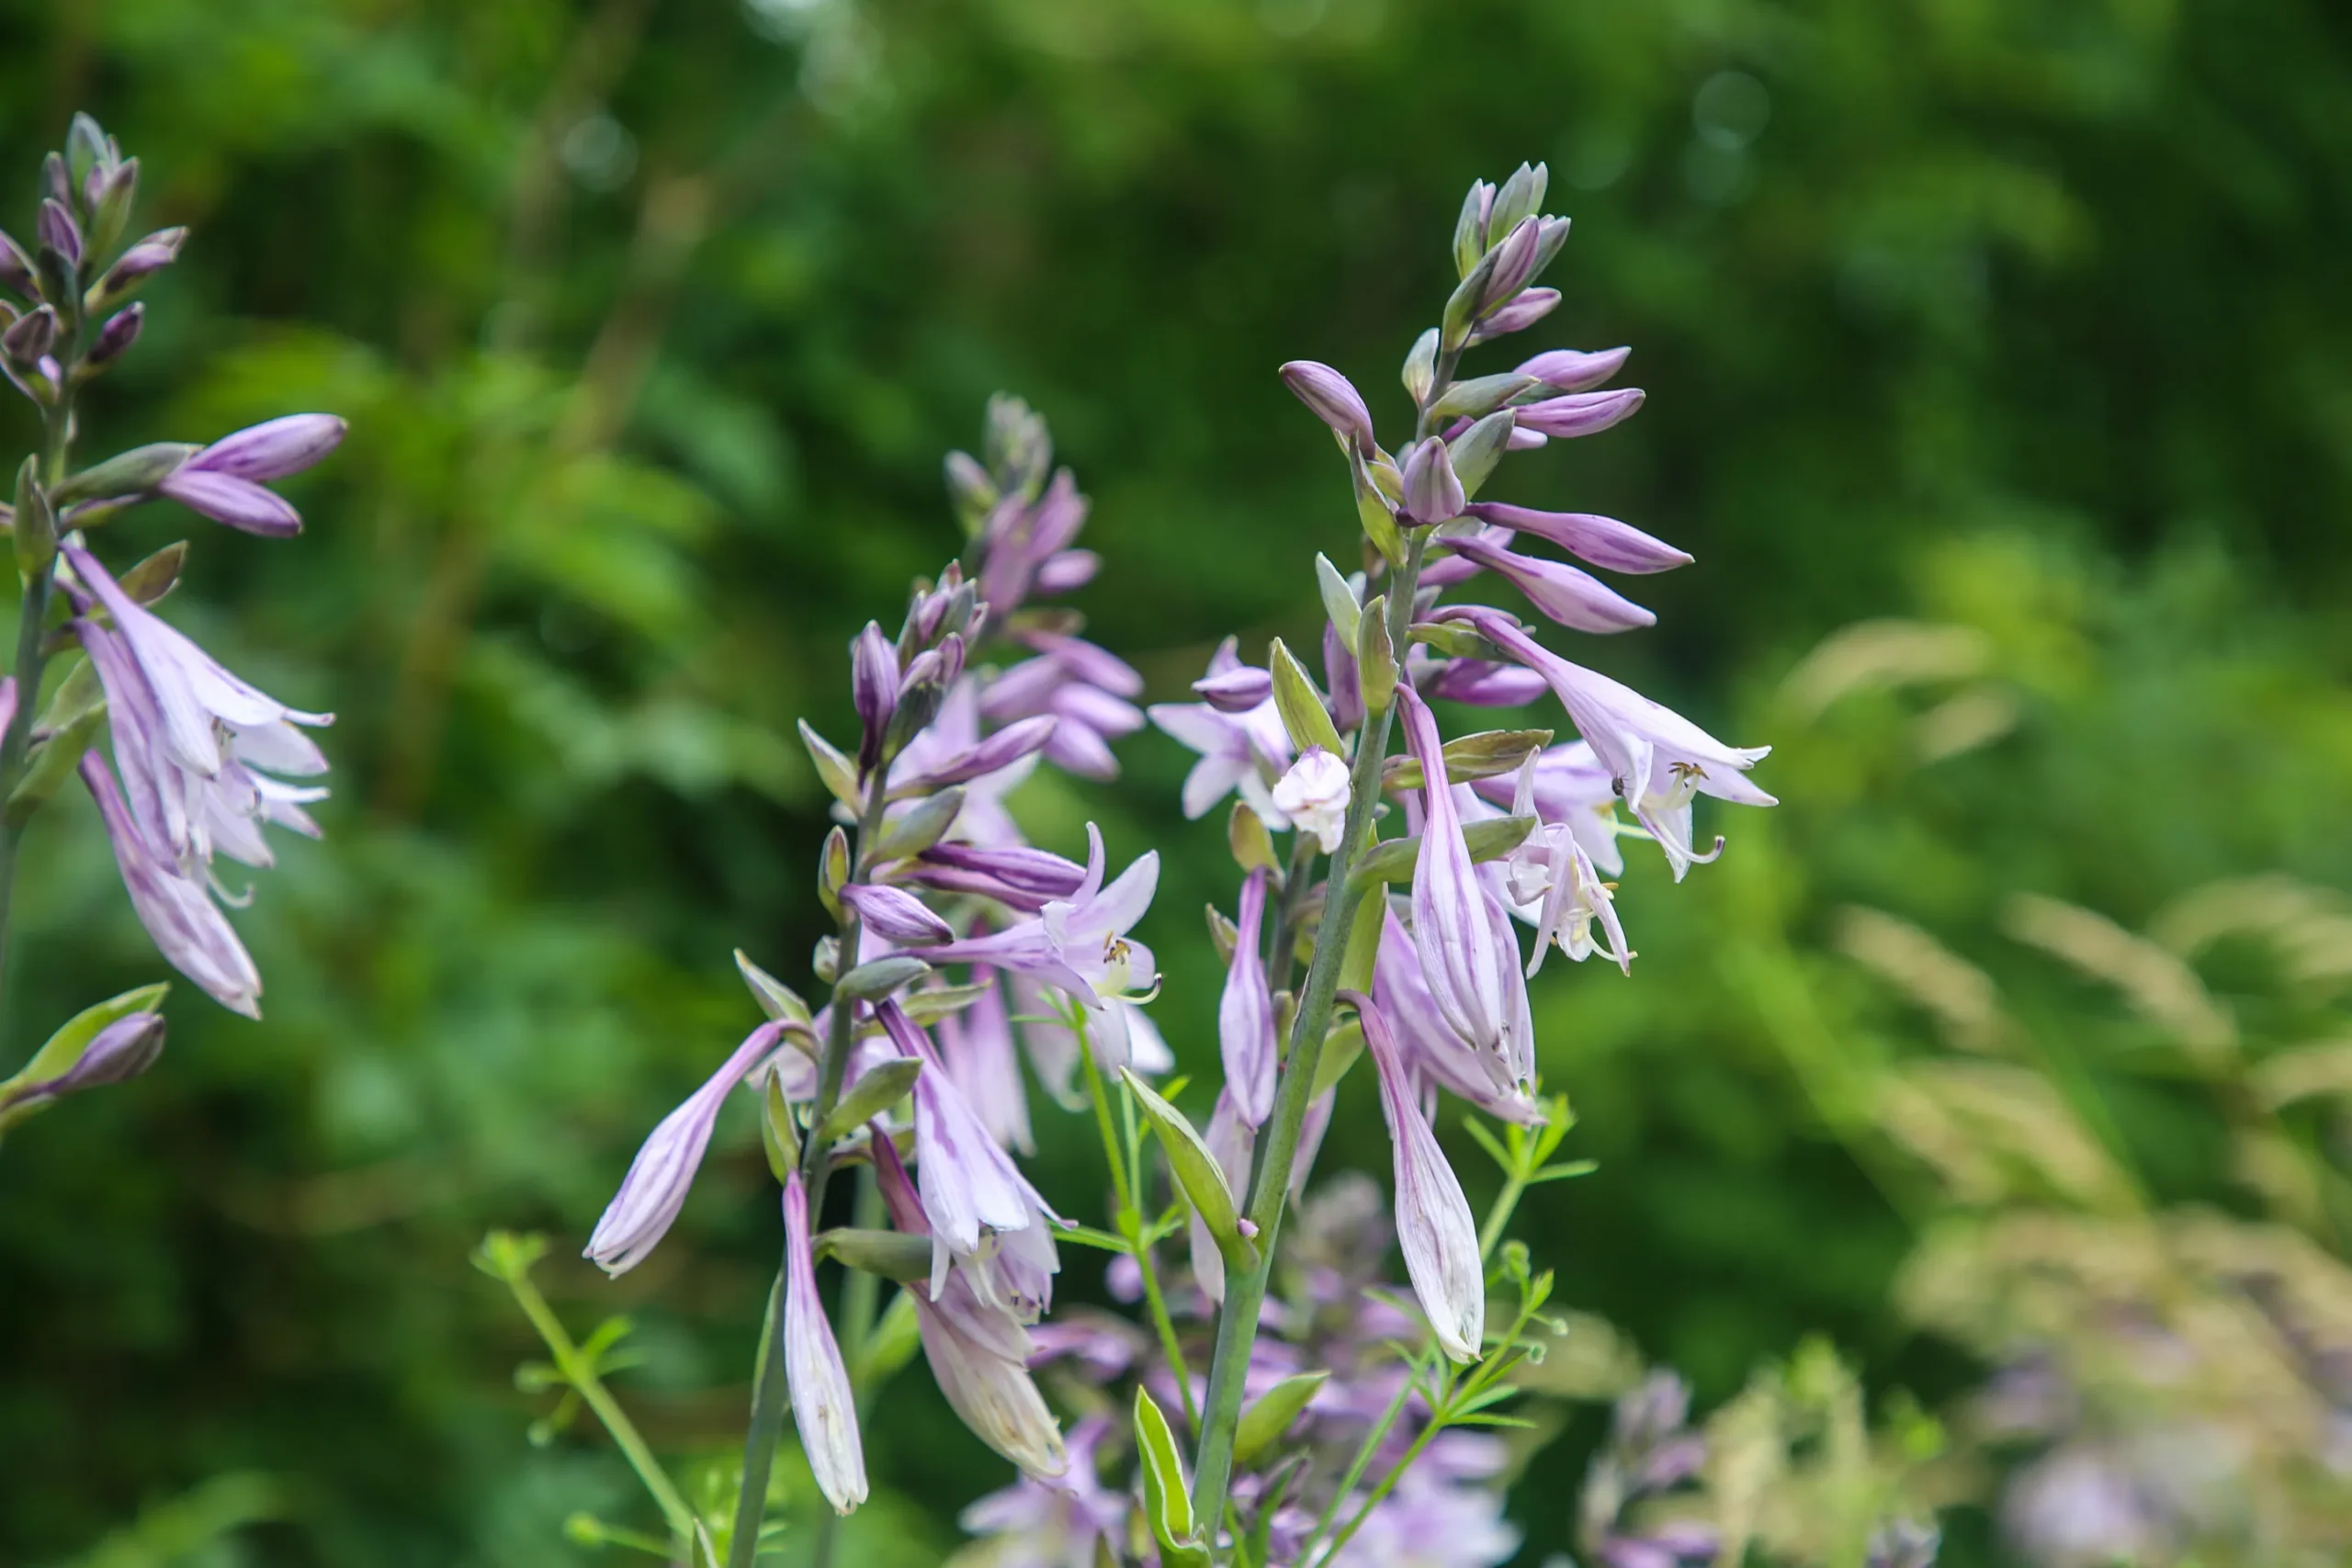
1240	750
1574	598
1434	1227
1079	943
1468	964
655	1188
824	1409
1433	1053
1245	1014
176	908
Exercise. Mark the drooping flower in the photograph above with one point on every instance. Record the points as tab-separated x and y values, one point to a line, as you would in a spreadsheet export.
1242	750
1334	400
1314	795
1452	931
1658	760
1083	687
1603	541
1434	1227
824	1408
978	1351
952	750
224	480
895	915
176	908
655	1188
1572	789
976	1046
1575	599
1245	1014
1433	1053
1079	943
1019	878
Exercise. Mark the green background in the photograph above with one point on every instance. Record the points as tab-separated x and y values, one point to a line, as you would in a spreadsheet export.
654	321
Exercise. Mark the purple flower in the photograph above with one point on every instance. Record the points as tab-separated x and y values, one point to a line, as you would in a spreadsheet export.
1067	571
1314	795
176	908
1572	369
1237	690
1245	1015
1530	307
1573	598
1014	743
1246	750
1120	1033
824	1407
1578	413
951	750
895	915
1657	759
1334	400
1434	1227
188	734
122	1050
1603	541
1452	932
223	480
1019	878
1083	687
978	1351
1077	944
874	685
1019	537
1571	789
1553	867
655	1188
1433	493
974	1197
1053	1525
1433	1053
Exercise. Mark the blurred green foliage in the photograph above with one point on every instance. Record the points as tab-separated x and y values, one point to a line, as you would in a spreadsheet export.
2019	319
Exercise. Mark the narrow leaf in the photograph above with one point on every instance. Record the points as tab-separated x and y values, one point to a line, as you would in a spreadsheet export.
876	1090
1271	1414
778	1000
838	773
893	1255
1303	713
870	982
1197	1173
1166	1502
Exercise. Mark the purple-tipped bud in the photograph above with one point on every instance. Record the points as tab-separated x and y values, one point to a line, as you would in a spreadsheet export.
1021	877
1236	691
58	230
1603	541
1460	958
968	485
1481	684
29	337
1526	440
824	1410
1067	571
147	257
1531	306
116	337
1334	400
123	1049
1433	493
273	449
1434	1227
1245	1015
1575	599
1574	370
874	687
1001	749
1579	413
176	908
237	503
895	915
655	1188
1514	264
17	270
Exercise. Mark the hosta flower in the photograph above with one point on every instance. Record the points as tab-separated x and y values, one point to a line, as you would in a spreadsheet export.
1245	1014
1433	1053
1079	943
1658	760
976	1046
824	1408
175	907
1434	1227
224	481
1238	751
1575	599
1315	795
655	1188
952	750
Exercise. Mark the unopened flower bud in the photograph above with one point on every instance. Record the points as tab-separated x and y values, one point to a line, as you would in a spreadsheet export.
34	526
123	1050
1334	400
971	488
108	194
57	178
1514	265
1067	571
134	266
1433	493
895	915
1521	197
273	449
1236	691
1579	413
116	337
58	230
29	337
87	150
1531	306
1020	450
1573	370
17	270
1470	229
1315	795
874	687
1421	367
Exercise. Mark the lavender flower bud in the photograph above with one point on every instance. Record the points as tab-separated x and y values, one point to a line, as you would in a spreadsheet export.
1514	264
1236	691
1334	400
1340	674
824	1410
273	449
1603	541
659	1176
1434	1227
29	337
1521	197
1001	749
1421	367
58	232
874	687
1579	413
1530	307
1433	493
116	337
897	917
1470	229
1574	370
1245	1014
969	489
17	270
134	266
58	179
1573	598
1067	571
235	503
1456	942
1482	685
107	196
88	150
122	1050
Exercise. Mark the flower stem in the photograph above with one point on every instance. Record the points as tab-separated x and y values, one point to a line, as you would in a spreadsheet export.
768	1390
1127	1190
1245	1291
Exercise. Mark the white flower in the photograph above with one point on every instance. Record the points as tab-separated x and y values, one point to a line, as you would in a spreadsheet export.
1313	794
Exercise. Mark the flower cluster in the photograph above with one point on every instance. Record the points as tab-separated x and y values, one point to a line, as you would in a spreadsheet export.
927	871
200	761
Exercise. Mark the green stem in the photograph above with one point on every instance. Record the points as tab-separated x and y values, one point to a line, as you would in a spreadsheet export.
1514	1188
1245	1291
768	1390
1127	1190
583	1379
